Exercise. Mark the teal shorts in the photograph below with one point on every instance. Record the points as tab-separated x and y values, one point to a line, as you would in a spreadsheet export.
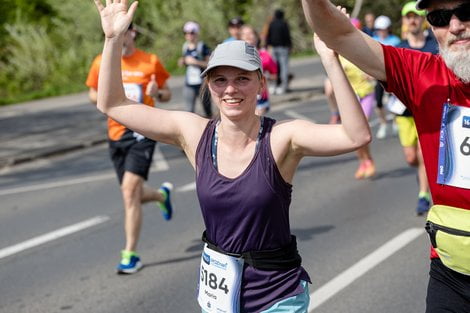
295	304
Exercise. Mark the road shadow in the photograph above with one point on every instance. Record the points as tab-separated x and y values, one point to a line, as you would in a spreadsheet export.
171	152
399	172
174	260
324	161
195	246
308	233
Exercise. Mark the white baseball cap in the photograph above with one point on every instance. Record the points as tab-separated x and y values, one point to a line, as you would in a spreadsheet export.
382	22
191	27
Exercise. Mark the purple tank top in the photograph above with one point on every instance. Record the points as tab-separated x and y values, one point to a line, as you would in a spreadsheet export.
246	213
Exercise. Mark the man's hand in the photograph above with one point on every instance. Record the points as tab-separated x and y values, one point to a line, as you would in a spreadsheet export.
115	16
152	87
189	60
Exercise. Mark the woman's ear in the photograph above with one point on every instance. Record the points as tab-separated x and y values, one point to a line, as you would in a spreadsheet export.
263	84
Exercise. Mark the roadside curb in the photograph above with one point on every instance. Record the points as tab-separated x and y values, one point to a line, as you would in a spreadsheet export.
100	137
55	126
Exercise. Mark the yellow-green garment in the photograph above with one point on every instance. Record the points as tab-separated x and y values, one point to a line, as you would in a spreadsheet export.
361	83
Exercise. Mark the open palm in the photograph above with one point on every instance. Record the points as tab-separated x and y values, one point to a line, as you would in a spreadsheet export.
115	16
321	47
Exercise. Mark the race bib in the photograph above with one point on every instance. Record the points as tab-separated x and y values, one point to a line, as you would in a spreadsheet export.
219	282
134	92
138	136
395	106
193	75
454	147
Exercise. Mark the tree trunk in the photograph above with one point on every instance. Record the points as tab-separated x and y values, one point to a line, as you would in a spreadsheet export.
357	8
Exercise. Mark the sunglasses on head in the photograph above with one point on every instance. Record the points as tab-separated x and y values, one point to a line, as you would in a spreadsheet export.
441	18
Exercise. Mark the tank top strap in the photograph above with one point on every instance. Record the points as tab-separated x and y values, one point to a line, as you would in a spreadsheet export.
203	151
264	144
266	159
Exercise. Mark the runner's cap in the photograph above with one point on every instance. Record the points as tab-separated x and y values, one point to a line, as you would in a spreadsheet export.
236	53
236	21
410	7
422	4
382	22
191	27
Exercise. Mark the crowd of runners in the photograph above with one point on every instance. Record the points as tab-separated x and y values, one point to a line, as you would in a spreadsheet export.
245	161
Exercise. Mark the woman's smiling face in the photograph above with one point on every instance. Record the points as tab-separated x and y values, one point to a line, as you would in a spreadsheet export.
234	89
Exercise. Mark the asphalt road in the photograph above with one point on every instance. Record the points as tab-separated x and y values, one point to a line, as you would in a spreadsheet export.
61	232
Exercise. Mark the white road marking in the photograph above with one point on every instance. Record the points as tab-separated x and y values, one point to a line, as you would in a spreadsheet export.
288	105
327	291
159	159
160	165
57	184
187	187
33	242
296	115
376	121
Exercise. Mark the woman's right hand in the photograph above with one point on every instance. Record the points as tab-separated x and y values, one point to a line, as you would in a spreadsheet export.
321	48
115	16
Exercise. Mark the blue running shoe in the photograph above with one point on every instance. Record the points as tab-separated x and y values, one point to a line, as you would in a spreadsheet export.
165	206
130	263
423	206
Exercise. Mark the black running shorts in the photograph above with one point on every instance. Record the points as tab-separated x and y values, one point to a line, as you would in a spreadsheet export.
448	291
132	154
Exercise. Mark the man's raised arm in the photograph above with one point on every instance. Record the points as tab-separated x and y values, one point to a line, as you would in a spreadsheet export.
335	29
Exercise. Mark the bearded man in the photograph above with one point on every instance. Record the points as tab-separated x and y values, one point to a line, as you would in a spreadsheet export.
436	89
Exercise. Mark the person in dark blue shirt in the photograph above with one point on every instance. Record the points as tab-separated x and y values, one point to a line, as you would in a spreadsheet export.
368	27
416	37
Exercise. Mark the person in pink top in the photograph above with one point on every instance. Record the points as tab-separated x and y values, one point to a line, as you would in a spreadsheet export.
270	70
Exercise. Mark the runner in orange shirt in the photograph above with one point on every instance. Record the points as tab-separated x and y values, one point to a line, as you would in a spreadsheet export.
144	80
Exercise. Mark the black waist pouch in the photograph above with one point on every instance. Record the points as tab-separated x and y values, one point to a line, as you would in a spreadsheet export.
283	258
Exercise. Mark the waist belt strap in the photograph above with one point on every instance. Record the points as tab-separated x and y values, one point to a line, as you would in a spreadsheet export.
283	258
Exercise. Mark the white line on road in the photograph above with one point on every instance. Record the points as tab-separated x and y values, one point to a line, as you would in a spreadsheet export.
341	281
160	163
296	115
52	236
187	187
287	105
62	183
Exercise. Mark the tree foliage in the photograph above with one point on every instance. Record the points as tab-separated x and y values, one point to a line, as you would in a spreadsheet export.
46	46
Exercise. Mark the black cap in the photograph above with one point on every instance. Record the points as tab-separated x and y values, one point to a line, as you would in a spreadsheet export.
422	4
236	21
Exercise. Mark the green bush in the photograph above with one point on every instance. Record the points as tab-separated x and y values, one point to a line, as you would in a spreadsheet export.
47	46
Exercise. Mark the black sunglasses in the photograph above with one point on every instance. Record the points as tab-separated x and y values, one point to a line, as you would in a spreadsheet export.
441	18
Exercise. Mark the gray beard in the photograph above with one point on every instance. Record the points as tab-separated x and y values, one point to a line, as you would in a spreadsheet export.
458	62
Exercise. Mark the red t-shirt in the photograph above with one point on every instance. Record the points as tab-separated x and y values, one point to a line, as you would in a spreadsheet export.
423	82
137	70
